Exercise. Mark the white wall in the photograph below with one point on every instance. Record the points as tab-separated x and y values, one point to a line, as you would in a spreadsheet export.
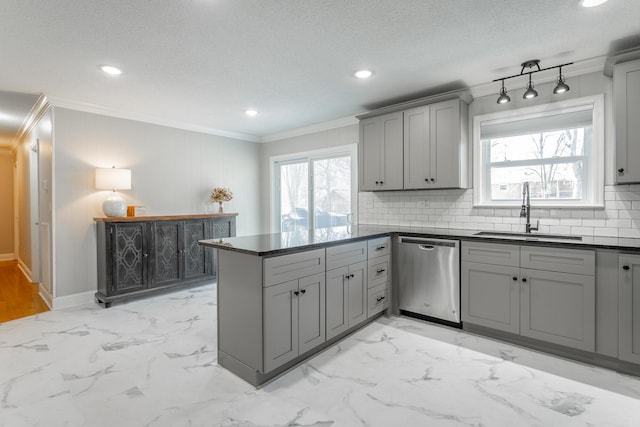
453	208
341	136
6	204
173	171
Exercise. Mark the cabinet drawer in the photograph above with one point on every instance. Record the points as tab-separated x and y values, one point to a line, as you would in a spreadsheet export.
576	261
379	247
284	268
491	253
351	253
378	299
378	271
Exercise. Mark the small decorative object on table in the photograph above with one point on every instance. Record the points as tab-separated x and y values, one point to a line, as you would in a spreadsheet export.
219	195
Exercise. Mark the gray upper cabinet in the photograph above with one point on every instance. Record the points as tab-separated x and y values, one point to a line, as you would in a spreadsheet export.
626	96
629	307
542	293
435	146
380	153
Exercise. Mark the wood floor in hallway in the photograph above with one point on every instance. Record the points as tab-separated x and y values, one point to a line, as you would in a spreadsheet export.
18	297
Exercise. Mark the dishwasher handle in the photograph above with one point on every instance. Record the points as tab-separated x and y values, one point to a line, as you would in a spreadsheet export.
427	244
426	247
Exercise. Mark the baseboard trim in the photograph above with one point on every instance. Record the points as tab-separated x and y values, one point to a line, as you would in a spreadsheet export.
45	296
72	300
25	270
7	257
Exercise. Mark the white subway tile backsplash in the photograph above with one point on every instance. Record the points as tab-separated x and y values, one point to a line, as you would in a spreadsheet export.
454	209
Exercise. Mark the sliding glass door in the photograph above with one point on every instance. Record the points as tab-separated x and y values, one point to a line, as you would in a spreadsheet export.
314	192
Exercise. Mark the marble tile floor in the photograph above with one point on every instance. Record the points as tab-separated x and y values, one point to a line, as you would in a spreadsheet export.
152	362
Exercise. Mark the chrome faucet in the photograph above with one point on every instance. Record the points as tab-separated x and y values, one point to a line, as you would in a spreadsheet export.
525	211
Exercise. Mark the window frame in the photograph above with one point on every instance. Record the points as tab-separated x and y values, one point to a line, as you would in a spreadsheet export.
309	157
594	159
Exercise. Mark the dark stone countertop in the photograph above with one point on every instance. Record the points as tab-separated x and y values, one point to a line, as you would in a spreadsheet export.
268	245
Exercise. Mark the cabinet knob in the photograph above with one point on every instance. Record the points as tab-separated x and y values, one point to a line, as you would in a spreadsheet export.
524	280
296	293
377	182
433	180
381	182
515	279
621	170
145	255
302	291
347	277
625	267
426	179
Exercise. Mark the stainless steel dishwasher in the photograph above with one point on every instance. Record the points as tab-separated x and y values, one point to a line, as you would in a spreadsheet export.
429	275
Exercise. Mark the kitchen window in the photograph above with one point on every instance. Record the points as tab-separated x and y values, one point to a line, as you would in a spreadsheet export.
558	148
314	190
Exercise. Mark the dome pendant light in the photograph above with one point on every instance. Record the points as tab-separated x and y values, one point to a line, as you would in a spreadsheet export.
530	93
503	98
562	86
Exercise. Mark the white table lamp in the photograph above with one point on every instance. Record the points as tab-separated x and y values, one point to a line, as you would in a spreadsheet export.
113	179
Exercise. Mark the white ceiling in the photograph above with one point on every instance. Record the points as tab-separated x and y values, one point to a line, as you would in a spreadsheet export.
203	62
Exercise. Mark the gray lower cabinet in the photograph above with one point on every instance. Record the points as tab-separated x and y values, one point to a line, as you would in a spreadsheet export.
346	298
491	296
553	302
294	319
141	255
629	307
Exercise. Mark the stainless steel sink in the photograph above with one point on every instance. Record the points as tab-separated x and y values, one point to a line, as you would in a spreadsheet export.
531	236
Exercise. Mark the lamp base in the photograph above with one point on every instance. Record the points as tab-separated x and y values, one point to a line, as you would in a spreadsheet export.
114	206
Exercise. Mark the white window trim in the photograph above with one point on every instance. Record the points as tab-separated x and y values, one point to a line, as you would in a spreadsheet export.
595	197
343	150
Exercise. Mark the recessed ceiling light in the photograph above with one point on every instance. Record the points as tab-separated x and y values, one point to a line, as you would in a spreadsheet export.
109	69
363	74
591	3
251	112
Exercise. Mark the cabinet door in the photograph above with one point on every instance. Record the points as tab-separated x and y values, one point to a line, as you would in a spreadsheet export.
629	308
391	175
417	150
490	296
626	95
197	259
280	324
444	157
558	308
311	312
357	293
130	257
380	153
166	263
337	319
369	154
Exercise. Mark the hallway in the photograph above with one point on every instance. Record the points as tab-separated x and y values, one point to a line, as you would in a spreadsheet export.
18	297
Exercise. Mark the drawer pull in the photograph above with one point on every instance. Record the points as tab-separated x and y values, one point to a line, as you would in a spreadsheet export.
382	270
625	267
379	248
379	299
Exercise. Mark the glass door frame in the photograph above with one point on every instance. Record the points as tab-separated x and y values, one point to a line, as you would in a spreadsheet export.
309	157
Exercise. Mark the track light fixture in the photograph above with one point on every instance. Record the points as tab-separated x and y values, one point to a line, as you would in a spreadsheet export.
562	86
530	93
503	98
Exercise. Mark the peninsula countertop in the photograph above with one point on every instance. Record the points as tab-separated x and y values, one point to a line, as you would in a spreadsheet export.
267	245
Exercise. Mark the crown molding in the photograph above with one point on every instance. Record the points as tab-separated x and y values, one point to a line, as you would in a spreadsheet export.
146	118
578	68
37	111
319	127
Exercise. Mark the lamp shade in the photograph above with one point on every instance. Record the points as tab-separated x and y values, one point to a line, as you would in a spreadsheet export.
113	179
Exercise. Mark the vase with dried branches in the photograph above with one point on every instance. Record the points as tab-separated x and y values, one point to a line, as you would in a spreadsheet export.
220	195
